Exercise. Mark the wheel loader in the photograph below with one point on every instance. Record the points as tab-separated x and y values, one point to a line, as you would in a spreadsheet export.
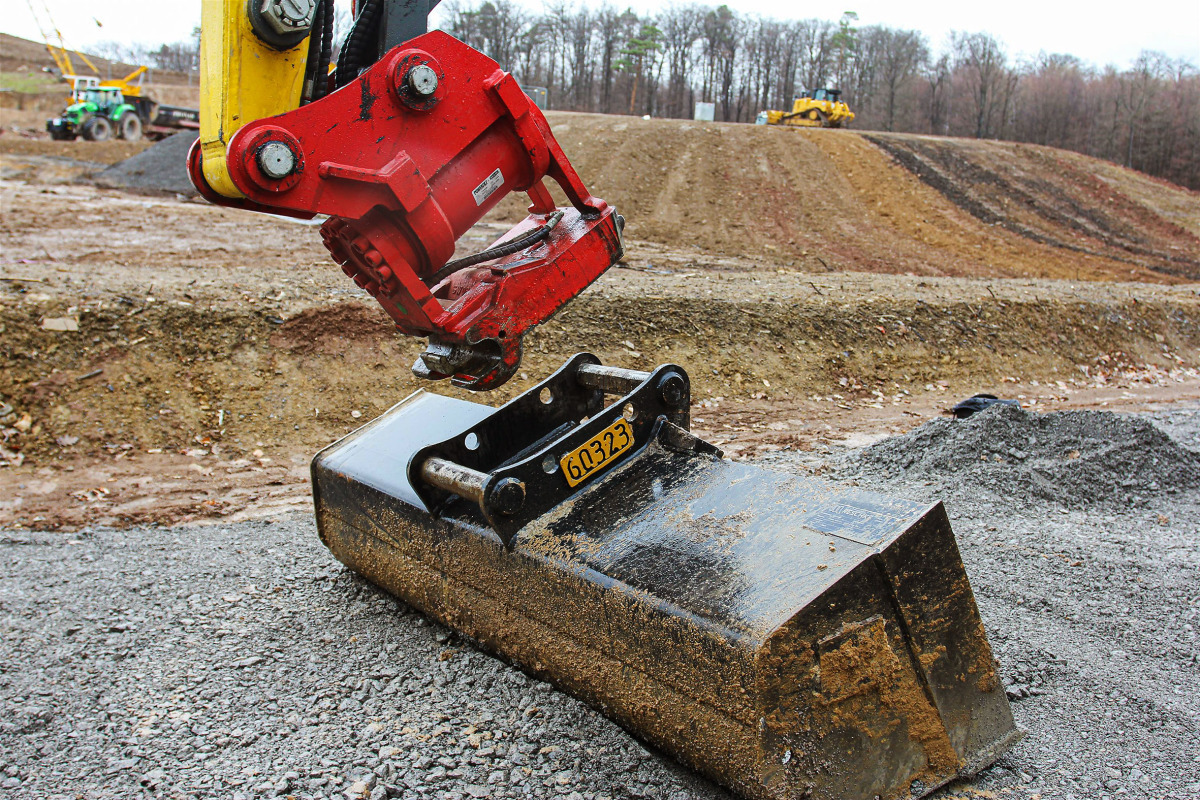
822	108
784	636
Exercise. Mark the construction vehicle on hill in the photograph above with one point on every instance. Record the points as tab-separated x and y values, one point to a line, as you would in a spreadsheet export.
98	108
786	637
129	86
102	112
822	108
60	54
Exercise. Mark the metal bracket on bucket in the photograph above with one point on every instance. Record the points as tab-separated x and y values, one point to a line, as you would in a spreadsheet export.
551	442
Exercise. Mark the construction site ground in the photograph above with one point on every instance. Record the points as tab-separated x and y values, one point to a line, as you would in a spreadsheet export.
169	369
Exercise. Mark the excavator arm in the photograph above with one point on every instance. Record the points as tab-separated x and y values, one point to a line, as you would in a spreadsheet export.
409	143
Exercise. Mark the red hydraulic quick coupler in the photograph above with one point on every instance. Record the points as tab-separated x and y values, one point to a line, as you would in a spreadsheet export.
404	160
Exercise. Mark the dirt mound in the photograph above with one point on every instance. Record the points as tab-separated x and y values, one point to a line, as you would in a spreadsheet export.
1071	457
330	330
161	168
824	200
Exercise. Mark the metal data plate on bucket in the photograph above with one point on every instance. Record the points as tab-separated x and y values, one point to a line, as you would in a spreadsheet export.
784	636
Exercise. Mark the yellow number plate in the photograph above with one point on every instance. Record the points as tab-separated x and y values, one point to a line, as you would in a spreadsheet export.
592	456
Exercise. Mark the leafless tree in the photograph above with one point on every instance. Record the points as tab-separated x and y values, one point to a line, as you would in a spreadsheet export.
815	37
132	54
614	29
681	26
901	55
939	94
493	28
721	35
984	67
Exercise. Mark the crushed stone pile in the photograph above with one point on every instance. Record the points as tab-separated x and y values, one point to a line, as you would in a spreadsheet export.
161	168
1071	457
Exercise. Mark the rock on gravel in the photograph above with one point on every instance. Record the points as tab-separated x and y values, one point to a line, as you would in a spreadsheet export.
161	168
1072	457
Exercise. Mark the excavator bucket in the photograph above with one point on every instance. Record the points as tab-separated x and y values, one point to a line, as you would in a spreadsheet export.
786	637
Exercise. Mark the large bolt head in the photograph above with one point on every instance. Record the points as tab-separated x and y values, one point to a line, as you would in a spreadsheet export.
507	496
674	390
276	160
422	80
289	16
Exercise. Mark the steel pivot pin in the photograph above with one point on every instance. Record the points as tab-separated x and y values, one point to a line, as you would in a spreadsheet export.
276	160
422	80
507	496
673	390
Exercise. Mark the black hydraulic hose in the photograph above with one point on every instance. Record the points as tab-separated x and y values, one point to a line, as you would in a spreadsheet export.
321	87
508	248
362	36
343	61
312	68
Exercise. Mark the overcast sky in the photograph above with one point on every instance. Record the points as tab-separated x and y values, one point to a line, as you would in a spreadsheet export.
1100	34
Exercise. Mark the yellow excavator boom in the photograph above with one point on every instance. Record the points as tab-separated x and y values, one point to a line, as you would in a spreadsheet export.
242	79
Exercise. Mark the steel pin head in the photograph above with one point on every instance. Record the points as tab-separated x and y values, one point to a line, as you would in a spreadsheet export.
673	390
276	160
507	496
422	80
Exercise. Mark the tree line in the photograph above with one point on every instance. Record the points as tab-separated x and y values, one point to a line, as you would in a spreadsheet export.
603	59
181	56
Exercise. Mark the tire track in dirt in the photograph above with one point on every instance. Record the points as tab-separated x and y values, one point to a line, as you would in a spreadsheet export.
839	221
822	199
1043	211
670	204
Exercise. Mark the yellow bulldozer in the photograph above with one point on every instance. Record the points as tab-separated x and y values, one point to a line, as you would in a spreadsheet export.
820	109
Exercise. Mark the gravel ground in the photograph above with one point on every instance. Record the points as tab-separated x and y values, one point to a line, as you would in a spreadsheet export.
244	661
161	168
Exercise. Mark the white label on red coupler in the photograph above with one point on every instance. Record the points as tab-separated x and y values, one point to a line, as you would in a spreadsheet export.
489	186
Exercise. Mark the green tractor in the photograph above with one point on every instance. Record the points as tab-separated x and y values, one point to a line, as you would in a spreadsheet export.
101	113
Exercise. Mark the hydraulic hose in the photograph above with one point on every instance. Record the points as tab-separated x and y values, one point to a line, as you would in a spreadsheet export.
321	87
363	35
508	248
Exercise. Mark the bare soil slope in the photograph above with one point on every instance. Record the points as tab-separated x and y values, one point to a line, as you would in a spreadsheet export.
824	200
835	200
215	351
24	55
31	94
